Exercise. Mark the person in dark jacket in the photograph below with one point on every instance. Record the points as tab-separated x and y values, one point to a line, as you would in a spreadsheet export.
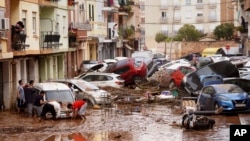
29	93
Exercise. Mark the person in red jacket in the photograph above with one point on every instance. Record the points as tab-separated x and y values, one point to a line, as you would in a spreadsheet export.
79	107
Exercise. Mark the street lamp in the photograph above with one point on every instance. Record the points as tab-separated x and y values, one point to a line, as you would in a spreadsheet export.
172	33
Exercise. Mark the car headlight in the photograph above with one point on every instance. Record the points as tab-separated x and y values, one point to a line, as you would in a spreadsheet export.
223	98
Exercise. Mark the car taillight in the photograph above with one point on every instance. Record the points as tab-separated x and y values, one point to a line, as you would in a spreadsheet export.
119	83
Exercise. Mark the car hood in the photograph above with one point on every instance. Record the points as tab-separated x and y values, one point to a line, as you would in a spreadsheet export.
235	96
225	69
95	68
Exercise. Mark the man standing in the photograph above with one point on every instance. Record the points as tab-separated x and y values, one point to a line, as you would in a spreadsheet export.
79	107
20	96
39	101
29	97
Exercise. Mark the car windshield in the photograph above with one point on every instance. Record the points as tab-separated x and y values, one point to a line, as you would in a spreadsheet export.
86	86
59	95
229	89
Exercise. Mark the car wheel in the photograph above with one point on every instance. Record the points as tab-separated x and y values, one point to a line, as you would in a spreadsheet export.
171	84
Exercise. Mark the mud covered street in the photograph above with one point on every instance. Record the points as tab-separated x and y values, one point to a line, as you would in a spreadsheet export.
146	122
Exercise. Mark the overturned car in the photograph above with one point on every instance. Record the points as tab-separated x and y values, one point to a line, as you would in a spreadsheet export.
194	82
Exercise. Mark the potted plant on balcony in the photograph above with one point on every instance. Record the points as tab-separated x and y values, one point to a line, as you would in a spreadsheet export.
72	37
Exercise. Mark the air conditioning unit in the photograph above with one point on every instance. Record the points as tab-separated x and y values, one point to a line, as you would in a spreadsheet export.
4	24
81	7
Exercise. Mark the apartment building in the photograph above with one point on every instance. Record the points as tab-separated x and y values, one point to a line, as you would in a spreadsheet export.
170	16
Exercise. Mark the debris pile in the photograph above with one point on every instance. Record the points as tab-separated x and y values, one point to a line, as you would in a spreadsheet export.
162	77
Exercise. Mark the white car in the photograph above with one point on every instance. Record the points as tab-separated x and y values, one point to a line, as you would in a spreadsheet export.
103	79
59	92
175	64
85	90
244	71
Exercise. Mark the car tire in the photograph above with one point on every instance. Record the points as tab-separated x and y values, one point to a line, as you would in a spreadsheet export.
171	84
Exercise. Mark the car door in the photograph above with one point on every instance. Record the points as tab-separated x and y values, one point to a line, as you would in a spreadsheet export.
204	99
101	80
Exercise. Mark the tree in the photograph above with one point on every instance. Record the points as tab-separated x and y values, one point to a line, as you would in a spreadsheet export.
224	31
187	33
161	37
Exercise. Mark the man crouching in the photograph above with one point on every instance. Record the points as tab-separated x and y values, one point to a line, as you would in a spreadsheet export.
53	107
79	108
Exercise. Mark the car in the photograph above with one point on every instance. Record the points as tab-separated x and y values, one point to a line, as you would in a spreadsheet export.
85	90
192	81
129	70
178	74
152	66
229	96
59	92
241	82
101	79
87	64
244	71
189	56
175	64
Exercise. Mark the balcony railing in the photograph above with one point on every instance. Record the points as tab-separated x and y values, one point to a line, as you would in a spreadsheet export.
199	6
18	41
212	18
82	26
199	19
50	40
164	7
212	5
177	19
163	19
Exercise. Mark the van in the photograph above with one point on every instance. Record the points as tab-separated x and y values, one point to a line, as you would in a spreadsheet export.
59	92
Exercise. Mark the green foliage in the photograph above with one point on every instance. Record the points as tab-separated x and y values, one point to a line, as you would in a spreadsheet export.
224	31
160	37
187	33
126	32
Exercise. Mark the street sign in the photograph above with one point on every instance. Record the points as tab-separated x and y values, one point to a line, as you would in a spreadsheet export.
227	47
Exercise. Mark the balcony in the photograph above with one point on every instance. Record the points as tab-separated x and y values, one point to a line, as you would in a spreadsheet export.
164	20
164	7
177	6
199	6
177	19
50	40
199	19
212	18
212	5
82	26
49	3
18	41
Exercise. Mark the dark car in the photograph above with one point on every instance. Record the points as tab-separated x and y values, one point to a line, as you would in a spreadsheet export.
192	81
241	82
189	57
129	69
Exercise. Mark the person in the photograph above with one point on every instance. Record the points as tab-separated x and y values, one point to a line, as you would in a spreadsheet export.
38	103
79	108
20	96
17	29
114	30
71	87
194	60
29	92
53	107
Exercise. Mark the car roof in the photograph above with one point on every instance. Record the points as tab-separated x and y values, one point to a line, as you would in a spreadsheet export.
49	86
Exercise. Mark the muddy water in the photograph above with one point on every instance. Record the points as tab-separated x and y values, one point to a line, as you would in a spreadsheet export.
152	123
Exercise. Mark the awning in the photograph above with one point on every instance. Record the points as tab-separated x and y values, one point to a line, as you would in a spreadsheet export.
128	47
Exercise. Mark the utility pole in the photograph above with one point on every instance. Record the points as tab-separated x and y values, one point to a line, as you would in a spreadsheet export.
172	33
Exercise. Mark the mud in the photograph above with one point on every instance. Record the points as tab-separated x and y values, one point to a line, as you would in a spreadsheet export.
143	121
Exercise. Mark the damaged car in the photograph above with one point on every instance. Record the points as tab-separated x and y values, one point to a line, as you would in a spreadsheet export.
192	81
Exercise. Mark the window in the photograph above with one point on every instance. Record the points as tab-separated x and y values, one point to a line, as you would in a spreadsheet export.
188	2
177	3
199	1
212	14
34	23
57	23
91	12
199	15
212	1
163	14
188	14
64	26
24	18
164	29
164	3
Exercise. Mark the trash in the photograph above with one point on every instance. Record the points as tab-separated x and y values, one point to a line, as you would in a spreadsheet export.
197	122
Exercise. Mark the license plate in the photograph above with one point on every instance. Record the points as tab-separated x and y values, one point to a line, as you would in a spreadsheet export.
240	105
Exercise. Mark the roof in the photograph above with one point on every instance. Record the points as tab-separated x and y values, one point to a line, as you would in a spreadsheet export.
50	86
